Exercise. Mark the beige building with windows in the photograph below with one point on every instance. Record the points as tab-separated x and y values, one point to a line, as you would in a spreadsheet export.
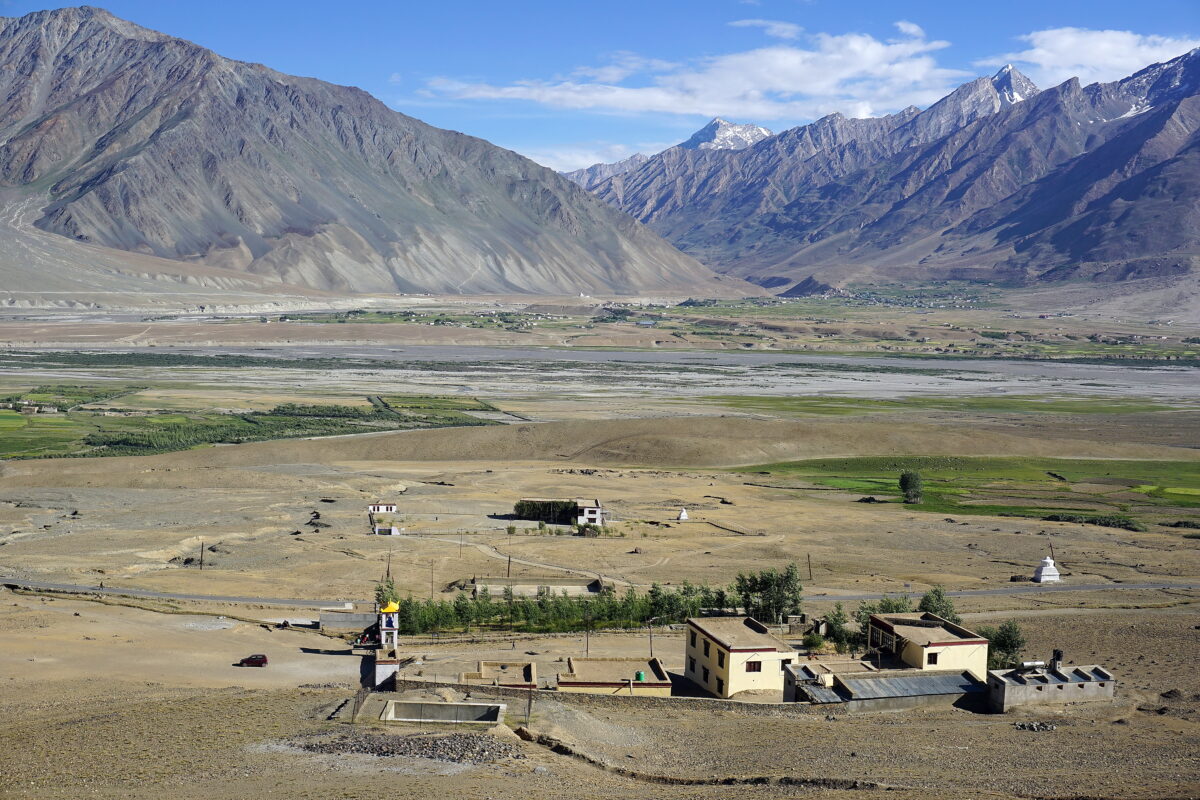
926	641
728	655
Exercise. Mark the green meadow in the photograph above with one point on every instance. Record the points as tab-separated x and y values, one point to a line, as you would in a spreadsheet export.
1149	492
847	406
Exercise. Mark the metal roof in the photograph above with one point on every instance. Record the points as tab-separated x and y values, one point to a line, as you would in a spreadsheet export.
912	684
820	694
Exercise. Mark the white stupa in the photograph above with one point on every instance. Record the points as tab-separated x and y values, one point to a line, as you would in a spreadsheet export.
1046	572
682	515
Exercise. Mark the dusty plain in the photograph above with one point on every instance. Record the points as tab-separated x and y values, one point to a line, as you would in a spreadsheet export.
768	441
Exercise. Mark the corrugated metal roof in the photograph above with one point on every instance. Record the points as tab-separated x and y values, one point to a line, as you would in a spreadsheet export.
820	694
911	685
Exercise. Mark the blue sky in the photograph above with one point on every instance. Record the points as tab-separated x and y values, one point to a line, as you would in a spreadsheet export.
571	82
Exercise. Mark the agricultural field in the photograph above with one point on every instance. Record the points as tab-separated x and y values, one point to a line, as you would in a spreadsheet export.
1111	493
829	405
138	430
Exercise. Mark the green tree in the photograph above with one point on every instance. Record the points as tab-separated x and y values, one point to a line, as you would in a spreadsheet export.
385	592
1004	644
935	601
911	486
837	626
888	604
769	596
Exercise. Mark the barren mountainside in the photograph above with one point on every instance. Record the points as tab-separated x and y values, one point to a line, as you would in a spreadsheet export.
997	181
136	141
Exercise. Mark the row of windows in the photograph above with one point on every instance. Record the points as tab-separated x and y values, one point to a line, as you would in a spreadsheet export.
751	666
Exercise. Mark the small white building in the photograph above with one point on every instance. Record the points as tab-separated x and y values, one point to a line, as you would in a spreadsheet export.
381	508
1046	572
388	530
683	515
591	512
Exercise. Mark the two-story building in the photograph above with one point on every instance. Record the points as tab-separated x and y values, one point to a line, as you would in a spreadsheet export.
728	655
926	641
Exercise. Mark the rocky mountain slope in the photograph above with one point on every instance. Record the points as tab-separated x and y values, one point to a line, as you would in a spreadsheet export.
716	135
997	181
132	140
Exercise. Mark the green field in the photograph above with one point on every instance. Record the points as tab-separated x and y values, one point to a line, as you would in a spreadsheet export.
86	433
1146	491
844	406
69	395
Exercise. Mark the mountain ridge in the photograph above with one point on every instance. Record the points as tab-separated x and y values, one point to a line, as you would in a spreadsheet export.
141	142
996	181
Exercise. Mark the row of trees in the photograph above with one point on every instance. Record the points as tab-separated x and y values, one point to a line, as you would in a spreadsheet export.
768	596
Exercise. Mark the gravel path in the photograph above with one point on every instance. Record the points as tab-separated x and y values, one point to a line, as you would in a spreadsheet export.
455	748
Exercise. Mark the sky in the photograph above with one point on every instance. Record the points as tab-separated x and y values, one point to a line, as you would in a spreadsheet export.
571	82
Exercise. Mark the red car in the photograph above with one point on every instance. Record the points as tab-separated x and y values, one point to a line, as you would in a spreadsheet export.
256	660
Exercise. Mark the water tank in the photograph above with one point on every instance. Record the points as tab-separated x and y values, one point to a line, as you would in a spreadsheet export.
639	676
1032	664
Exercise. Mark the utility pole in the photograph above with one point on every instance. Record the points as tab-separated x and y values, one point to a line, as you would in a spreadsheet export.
810	566
431	580
201	555
509	573
650	625
587	636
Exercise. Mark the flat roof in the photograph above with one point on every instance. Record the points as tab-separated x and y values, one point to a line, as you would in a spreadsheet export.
579	501
812	669
740	633
532	580
923	628
613	670
1042	676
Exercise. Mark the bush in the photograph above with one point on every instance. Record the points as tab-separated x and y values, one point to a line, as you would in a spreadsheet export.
1103	520
1183	523
814	641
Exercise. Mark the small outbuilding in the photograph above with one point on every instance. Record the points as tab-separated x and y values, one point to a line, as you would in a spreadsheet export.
512	674
381	508
625	676
683	515
1037	684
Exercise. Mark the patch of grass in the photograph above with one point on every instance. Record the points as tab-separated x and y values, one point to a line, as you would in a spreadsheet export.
1031	487
1003	404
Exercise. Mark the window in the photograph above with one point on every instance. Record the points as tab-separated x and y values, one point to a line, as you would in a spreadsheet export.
691	665
693	639
931	659
753	666
720	658
1059	687
706	675
706	648
720	686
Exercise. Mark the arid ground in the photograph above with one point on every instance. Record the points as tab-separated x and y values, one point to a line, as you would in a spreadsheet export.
116	696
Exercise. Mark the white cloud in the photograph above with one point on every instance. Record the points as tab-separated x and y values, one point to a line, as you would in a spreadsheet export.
771	27
395	78
567	157
854	73
910	28
1057	54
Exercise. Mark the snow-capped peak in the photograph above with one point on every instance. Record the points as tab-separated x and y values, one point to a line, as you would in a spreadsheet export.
1012	86
723	135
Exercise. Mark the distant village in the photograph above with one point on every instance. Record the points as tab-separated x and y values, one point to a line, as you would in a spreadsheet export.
910	659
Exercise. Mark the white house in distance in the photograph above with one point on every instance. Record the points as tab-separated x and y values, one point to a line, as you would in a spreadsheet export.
727	655
381	508
591	512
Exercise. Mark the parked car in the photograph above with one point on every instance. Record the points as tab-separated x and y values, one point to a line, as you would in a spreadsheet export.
256	660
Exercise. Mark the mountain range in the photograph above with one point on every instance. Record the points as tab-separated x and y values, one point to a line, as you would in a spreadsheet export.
716	135
998	181
124	141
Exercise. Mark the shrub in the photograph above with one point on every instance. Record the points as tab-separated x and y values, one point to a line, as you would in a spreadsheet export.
1103	520
814	641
